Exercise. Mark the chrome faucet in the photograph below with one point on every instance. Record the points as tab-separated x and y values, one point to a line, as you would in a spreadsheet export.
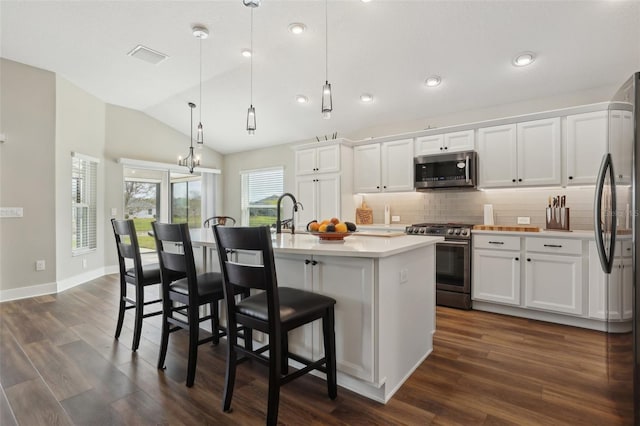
295	209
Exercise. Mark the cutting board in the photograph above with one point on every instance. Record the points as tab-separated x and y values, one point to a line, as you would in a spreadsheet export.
380	233
364	215
513	228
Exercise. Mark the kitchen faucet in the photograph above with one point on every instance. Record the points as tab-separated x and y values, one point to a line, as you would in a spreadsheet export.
295	209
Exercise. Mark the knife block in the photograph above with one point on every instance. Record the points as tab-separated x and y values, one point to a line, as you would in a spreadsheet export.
557	219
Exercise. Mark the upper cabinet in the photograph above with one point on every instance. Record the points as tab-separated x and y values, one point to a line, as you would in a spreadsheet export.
522	154
448	142
383	167
621	144
324	159
586	143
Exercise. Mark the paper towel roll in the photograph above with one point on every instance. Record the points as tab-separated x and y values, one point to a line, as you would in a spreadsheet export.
488	214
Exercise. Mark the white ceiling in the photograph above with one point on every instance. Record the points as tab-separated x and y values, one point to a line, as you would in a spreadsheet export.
384	47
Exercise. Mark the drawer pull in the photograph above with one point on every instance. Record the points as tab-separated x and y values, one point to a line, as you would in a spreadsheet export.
553	245
496	242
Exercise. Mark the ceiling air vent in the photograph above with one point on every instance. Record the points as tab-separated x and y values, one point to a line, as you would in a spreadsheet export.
148	55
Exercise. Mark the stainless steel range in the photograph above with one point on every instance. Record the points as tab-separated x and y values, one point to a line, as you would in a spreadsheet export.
453	261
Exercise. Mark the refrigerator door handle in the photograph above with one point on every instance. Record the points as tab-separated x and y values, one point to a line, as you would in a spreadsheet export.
606	259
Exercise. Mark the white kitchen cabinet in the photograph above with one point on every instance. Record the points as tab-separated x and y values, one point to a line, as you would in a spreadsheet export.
554	283
320	197
447	142
522	154
496	276
586	143
621	143
614	290
384	167
354	310
324	159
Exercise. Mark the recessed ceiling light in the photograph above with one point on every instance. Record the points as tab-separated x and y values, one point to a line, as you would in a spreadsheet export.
246	53
523	59
297	28
302	99
200	32
366	97
433	81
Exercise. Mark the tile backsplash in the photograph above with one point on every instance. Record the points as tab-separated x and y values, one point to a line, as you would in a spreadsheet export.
468	206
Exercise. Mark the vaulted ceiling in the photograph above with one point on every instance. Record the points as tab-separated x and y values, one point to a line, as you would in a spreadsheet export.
383	47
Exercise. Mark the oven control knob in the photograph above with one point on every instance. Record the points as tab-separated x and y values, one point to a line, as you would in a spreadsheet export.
464	232
457	231
415	230
409	230
422	230
450	231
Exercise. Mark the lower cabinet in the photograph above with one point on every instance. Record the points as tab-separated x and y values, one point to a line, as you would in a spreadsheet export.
613	291
554	283
496	276
351	282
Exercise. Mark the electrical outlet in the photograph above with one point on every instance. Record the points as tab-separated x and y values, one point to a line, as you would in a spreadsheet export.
404	275
524	220
40	265
395	218
114	212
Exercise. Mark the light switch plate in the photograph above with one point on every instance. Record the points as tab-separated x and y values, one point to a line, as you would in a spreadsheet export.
524	220
114	211
395	218
11	212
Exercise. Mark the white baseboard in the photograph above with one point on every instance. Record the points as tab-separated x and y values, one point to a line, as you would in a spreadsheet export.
56	287
26	292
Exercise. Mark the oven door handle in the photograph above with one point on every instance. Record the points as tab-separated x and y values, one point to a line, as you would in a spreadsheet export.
454	243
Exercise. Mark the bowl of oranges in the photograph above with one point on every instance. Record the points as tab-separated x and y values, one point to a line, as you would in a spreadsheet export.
331	229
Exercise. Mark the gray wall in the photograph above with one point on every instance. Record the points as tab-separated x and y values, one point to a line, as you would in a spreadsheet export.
27	171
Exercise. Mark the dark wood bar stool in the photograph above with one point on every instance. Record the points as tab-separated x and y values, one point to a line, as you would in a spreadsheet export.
185	296
219	220
274	311
139	276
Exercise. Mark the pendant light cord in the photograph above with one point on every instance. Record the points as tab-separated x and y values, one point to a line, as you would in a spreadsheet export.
200	81
326	42
251	61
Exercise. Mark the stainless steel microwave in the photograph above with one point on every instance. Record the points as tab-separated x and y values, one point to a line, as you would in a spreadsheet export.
450	170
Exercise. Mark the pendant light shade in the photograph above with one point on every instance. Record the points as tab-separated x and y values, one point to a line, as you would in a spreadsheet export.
251	120
327	102
201	33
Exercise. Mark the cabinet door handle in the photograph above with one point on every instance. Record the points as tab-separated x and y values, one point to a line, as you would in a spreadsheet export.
528	259
553	245
517	259
377	187
520	180
570	177
385	187
307	261
496	242
446	147
314	262
513	180
441	148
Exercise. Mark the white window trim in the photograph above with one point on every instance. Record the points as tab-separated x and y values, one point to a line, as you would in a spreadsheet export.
244	202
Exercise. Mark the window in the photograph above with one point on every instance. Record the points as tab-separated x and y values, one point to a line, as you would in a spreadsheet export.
186	199
260	192
84	171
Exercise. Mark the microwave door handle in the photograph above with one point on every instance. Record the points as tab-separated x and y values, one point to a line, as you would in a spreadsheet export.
466	170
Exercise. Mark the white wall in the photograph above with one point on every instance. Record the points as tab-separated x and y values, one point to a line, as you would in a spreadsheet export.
27	164
80	127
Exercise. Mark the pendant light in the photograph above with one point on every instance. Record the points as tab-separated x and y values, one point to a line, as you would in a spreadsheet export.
201	33
327	105
251	112
190	161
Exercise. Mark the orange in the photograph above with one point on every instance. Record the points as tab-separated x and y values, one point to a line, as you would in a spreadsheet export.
314	226
341	227
323	228
325	222
335	220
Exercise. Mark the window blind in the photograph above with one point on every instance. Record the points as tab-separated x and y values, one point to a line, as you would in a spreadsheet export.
84	172
260	192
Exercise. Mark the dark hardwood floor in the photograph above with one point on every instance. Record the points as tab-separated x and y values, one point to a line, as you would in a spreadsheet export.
60	365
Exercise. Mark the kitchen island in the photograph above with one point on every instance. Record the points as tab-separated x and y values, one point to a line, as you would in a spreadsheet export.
385	311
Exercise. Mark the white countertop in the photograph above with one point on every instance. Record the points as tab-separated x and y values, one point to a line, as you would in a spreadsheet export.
576	234
353	246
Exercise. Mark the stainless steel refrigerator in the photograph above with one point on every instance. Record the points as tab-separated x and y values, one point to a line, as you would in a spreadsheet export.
617	225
